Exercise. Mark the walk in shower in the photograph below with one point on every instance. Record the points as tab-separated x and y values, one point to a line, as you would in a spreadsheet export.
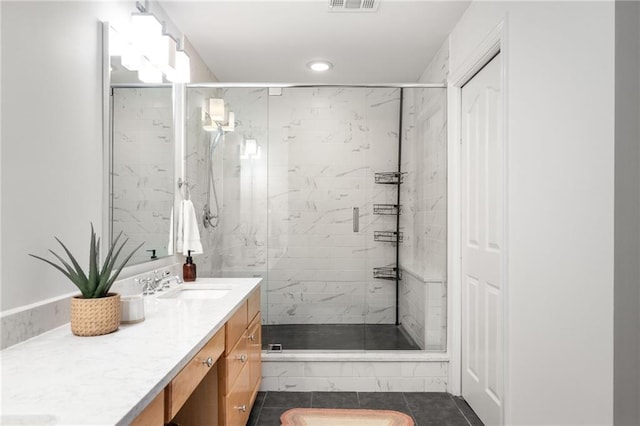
334	195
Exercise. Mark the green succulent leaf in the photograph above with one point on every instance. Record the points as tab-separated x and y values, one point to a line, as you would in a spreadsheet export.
80	280
108	262
98	281
119	268
77	267
93	264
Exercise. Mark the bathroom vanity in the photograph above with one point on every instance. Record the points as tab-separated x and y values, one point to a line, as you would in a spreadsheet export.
194	360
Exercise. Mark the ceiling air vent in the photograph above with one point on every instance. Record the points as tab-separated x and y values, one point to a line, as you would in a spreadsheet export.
353	5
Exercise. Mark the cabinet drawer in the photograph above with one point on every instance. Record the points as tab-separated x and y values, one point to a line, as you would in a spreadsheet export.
253	304
234	363
236	326
236	404
185	382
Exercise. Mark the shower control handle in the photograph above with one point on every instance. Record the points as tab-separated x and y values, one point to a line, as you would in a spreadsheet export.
356	219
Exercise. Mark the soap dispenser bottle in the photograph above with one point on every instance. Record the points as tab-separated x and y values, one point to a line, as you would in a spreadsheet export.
189	269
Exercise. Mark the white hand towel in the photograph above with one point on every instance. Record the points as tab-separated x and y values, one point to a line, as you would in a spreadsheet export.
170	245
188	233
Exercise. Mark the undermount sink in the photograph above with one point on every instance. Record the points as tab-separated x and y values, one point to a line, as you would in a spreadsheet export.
197	291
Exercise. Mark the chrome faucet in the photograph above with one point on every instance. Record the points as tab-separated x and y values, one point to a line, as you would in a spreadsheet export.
147	286
157	280
166	283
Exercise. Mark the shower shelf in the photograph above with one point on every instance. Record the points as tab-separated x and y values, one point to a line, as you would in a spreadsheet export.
386	273
388	236
389	178
387	209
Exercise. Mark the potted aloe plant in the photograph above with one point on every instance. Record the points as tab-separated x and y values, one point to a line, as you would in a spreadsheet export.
96	311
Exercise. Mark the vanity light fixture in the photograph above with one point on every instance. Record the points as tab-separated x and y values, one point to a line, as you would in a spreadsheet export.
117	42
250	150
149	73
144	46
216	109
183	68
146	31
320	66
214	116
131	58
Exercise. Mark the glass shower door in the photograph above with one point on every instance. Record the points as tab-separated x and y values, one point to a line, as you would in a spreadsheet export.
316	289
326	144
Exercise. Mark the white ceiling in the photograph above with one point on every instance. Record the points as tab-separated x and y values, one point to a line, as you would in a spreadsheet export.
272	41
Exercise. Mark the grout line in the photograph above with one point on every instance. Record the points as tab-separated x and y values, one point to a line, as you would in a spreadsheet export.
257	422
263	401
459	409
406	402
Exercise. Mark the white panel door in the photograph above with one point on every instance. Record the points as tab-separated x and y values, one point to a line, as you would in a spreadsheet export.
482	242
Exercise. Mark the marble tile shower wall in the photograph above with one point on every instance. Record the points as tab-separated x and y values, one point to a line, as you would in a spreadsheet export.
325	144
425	187
423	256
244	210
143	167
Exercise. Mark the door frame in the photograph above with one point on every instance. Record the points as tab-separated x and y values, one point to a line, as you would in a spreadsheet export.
495	42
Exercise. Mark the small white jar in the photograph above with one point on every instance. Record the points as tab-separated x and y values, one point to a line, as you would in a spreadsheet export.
132	309
131	303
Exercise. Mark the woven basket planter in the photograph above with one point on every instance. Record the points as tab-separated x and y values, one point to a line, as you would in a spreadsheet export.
94	317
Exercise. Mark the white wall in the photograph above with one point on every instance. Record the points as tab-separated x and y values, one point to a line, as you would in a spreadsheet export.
560	166
52	165
51	138
627	216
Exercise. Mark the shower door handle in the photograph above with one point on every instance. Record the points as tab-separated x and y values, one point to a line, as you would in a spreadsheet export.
356	219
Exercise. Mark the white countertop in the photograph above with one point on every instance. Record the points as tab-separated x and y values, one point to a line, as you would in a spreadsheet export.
61	379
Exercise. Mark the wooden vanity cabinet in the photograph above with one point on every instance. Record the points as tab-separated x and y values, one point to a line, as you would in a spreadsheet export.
153	415
220	384
239	370
187	380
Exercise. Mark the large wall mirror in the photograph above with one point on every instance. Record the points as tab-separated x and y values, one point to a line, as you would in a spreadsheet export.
141	151
142	168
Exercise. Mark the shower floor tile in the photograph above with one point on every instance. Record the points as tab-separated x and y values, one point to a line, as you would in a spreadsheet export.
337	337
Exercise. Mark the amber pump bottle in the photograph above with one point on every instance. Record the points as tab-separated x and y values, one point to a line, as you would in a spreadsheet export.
189	269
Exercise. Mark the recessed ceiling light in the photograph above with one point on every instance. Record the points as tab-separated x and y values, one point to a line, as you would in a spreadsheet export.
320	66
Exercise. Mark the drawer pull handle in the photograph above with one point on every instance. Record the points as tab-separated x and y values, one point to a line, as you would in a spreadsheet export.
242	408
252	337
242	358
208	362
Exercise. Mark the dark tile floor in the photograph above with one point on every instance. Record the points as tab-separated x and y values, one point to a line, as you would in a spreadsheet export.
338	337
426	408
